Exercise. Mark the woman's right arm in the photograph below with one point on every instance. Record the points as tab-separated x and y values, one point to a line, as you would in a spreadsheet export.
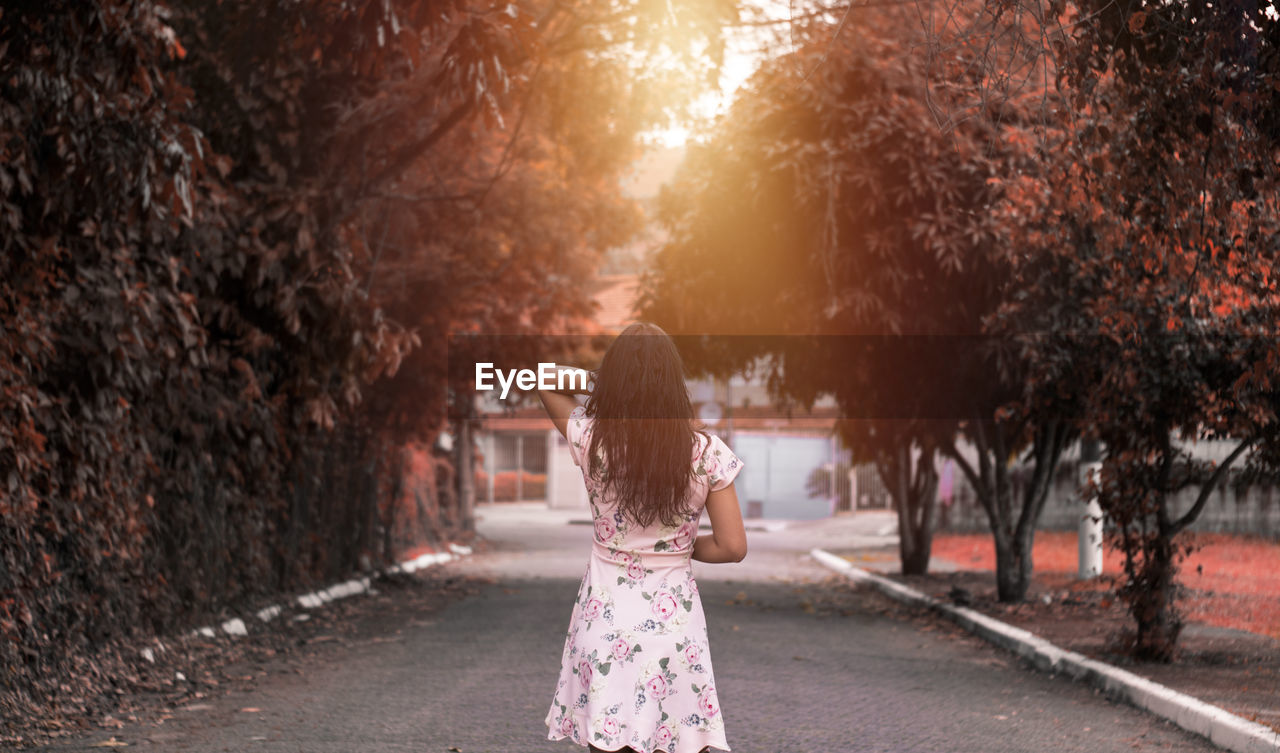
558	406
727	541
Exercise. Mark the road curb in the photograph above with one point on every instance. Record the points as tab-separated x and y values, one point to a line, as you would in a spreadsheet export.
313	599
1221	727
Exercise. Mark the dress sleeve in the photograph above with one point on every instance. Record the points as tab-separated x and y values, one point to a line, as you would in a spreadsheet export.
578	432
719	464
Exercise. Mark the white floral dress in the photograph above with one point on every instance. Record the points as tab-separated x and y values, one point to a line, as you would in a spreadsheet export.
636	667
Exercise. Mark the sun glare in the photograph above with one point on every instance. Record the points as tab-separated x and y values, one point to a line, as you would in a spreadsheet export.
745	48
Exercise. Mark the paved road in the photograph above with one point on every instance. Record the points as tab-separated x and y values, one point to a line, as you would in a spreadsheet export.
802	665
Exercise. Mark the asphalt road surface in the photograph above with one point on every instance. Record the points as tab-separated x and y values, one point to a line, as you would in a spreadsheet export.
803	663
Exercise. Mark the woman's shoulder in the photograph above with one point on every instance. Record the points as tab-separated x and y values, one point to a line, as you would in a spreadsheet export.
714	461
578	433
703	441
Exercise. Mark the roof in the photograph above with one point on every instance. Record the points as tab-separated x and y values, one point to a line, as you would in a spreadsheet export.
523	420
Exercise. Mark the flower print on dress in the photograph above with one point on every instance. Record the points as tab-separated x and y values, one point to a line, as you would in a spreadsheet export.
588	690
562	721
664	605
707	717
664	735
648	626
606	529
658	681
708	703
690	654
598	605
670	608
607	728
685	535
631	570
711	464
717	464
623	646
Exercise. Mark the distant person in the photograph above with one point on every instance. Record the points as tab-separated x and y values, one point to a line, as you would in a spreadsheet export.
636	673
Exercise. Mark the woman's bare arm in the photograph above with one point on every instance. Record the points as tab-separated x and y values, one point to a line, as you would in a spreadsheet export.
727	541
558	406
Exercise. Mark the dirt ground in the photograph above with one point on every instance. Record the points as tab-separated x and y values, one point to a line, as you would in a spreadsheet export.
118	686
1234	669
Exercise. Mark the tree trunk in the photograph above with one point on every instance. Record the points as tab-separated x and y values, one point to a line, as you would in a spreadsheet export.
388	521
1013	567
1158	620
466	476
913	487
1012	520
915	560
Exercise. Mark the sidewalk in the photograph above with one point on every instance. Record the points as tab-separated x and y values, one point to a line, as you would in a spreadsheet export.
1177	692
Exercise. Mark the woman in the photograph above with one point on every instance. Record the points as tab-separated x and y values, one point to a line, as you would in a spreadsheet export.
636	668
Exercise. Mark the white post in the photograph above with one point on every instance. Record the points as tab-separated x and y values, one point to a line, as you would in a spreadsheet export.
1090	535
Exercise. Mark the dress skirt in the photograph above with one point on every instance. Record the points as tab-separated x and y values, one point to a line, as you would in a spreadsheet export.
636	665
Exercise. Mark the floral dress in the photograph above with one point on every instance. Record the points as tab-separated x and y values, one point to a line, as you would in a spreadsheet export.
636	666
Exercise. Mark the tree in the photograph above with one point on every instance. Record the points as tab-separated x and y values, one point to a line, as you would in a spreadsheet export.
848	194
1147	276
228	225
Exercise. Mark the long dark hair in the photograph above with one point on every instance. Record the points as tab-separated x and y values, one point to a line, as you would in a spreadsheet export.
643	440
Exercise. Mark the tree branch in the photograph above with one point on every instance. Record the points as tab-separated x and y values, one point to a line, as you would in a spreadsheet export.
1206	491
952	452
405	156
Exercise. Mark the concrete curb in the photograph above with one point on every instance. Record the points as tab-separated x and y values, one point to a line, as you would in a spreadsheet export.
236	627
1221	727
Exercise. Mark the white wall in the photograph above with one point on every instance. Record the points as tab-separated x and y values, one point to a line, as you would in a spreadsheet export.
565	489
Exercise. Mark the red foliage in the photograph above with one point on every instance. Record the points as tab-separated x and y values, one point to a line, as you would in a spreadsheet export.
228	229
1233	581
532	486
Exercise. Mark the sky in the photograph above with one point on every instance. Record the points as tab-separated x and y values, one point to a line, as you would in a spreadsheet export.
742	56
